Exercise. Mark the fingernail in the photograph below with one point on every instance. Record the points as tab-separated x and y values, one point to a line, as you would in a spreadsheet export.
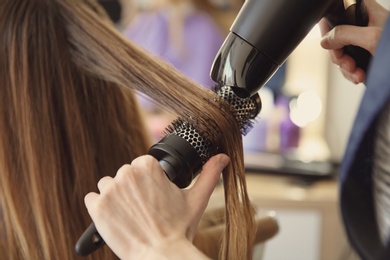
355	79
224	160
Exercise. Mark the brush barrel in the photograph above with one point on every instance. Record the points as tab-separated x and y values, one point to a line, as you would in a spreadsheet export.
179	158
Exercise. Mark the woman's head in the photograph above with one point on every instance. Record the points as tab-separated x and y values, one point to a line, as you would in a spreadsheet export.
68	117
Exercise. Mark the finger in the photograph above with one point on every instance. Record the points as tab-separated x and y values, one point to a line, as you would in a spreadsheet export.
359	75
144	160
343	35
104	182
147	168
346	74
345	62
148	163
356	76
208	178
324	26
337	56
90	199
338	37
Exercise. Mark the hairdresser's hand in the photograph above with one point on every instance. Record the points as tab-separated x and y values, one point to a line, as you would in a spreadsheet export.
365	37
142	215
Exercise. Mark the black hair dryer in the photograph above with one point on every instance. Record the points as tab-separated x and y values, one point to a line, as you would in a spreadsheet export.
265	32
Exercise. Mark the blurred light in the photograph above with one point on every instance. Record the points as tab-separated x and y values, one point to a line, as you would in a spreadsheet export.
267	101
306	108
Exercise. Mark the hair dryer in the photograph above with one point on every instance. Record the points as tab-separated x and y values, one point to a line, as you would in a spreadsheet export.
265	32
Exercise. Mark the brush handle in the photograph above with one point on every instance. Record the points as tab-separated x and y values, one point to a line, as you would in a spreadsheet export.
89	241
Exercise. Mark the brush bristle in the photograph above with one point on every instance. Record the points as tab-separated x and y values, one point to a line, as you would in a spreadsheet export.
245	109
186	130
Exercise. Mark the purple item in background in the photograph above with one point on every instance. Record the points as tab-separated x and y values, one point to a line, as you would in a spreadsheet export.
256	139
201	38
289	135
289	132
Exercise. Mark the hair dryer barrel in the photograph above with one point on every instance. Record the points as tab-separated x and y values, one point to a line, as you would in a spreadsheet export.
276	27
263	35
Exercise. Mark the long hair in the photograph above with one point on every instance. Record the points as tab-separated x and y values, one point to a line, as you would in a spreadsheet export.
68	117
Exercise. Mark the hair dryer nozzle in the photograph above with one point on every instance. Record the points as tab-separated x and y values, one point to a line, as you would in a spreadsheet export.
239	64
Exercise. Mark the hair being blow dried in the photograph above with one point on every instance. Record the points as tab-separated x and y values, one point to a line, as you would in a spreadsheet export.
66	72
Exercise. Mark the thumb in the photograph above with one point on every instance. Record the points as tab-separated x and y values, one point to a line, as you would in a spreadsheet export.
343	35
208	178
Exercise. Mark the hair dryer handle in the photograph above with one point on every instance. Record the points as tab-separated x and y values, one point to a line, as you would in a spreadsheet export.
355	14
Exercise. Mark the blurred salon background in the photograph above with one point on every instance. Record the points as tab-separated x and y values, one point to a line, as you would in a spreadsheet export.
302	103
298	140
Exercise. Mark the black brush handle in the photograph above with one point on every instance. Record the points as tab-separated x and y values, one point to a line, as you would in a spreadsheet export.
89	241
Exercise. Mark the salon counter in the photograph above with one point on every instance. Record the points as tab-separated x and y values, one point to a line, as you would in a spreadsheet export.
307	212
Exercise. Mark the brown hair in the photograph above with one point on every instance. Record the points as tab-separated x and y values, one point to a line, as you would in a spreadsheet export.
68	117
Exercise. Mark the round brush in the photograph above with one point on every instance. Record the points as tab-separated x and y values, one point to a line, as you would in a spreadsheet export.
184	150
